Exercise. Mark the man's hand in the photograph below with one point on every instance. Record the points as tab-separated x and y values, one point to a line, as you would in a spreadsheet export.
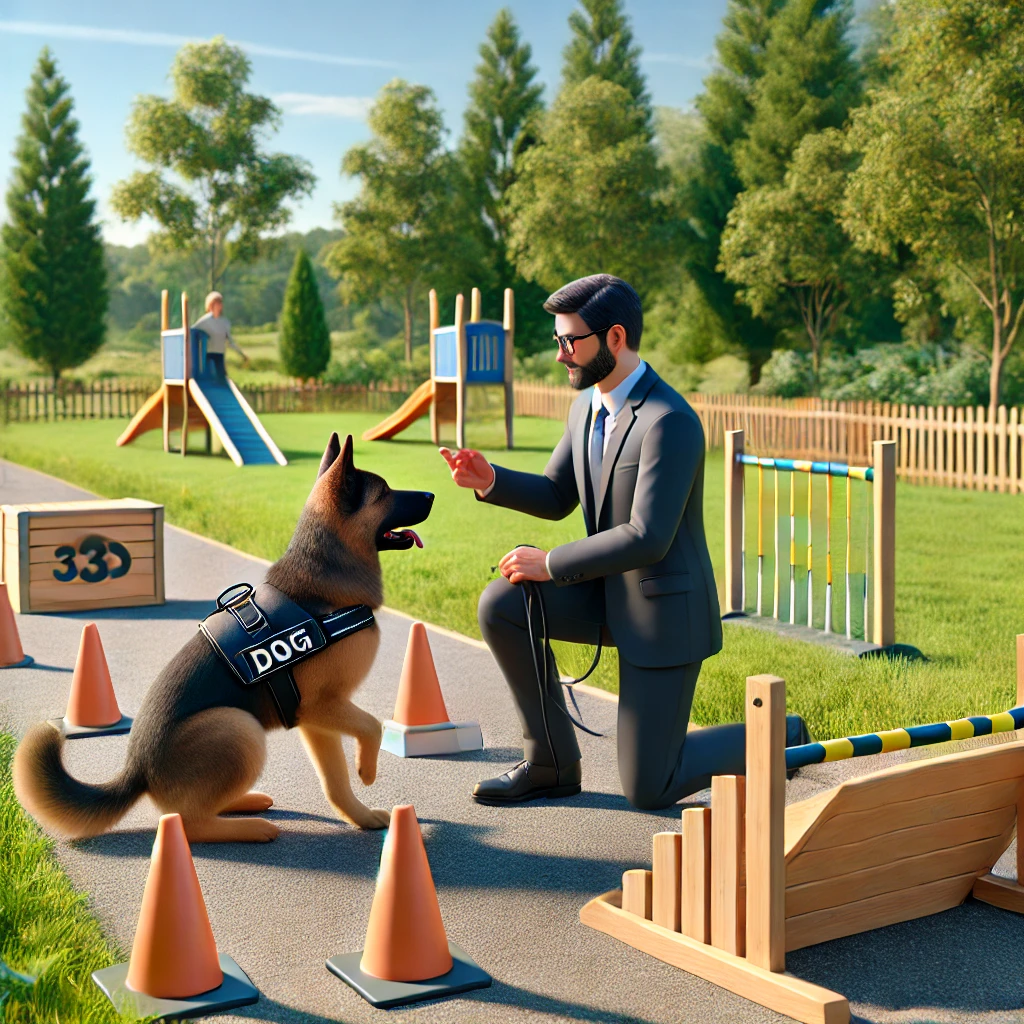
469	468
525	564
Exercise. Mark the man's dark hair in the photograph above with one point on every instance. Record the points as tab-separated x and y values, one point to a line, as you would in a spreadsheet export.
602	301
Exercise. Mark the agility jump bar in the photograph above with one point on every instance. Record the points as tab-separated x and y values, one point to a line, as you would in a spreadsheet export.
803	466
901	739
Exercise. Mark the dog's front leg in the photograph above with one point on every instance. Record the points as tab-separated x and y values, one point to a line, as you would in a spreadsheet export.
343	716
328	757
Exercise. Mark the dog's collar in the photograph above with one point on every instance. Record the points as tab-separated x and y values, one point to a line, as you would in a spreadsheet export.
261	634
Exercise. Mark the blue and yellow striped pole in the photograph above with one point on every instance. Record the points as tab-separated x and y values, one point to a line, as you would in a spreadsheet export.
775	537
902	739
810	535
828	553
792	549
760	538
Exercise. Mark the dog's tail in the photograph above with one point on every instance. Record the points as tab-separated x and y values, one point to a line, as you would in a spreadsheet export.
62	803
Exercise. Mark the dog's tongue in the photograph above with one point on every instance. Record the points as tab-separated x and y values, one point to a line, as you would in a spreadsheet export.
413	534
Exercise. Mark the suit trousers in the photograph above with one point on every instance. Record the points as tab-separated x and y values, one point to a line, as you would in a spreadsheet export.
659	762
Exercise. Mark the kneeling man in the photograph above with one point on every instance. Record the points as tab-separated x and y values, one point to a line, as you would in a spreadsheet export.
633	457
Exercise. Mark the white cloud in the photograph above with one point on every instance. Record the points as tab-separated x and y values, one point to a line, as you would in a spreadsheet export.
700	63
131	37
351	107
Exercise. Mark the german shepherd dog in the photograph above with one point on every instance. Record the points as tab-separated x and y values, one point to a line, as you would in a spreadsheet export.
198	743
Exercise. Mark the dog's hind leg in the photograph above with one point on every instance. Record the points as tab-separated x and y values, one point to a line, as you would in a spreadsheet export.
207	765
328	757
343	716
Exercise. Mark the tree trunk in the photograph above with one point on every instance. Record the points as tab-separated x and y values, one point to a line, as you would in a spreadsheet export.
995	377
407	303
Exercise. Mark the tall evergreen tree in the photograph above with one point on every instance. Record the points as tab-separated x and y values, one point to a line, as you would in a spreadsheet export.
304	341
810	83
501	123
708	194
602	46
52	275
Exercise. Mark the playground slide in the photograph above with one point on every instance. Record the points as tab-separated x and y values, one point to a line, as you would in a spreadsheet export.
415	406
149	417
234	422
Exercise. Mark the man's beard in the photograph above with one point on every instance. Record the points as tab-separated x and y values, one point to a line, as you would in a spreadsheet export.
583	377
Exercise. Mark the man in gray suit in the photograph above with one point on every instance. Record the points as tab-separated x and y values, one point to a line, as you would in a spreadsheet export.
632	456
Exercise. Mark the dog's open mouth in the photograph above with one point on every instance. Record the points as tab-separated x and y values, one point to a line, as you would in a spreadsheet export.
398	540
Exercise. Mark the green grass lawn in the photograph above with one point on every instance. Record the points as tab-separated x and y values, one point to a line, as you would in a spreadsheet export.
959	582
46	930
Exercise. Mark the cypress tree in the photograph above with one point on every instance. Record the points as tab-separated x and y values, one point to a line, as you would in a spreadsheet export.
810	83
501	123
602	46
726	107
52	272
304	341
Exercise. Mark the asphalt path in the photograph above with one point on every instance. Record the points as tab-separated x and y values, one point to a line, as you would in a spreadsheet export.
510	881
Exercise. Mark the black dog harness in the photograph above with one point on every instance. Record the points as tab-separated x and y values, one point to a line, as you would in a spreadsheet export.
261	634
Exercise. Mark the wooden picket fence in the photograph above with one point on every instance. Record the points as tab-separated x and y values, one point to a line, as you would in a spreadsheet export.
945	446
40	401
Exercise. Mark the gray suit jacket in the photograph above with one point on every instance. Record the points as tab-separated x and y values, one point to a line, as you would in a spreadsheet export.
648	540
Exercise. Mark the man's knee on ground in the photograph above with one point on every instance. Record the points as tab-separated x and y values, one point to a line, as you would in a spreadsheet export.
646	791
500	602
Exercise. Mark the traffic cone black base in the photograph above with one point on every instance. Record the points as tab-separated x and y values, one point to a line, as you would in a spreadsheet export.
74	732
236	990
25	662
464	976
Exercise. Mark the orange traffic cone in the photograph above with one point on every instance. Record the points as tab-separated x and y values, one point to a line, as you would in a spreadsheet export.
421	725
92	707
11	653
419	699
174	962
407	955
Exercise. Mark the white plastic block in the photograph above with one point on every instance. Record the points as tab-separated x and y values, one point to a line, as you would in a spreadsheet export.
423	740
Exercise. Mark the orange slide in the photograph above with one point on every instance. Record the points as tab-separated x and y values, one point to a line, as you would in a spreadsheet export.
415	406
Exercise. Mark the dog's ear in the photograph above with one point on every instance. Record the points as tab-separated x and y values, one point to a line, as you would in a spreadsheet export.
347	461
331	452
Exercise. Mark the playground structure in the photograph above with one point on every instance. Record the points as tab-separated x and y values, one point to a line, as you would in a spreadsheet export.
462	355
195	397
750	879
875	592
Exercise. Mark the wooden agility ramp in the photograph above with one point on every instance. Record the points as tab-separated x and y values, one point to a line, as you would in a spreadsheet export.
750	879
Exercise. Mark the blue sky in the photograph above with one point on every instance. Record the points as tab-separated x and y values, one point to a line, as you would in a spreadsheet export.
322	62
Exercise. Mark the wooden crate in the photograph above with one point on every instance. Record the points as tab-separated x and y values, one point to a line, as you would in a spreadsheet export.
80	555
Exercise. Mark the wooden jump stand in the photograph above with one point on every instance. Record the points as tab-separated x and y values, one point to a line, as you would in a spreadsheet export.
750	879
882	631
469	353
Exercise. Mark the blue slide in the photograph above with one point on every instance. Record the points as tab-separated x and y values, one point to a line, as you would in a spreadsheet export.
235	424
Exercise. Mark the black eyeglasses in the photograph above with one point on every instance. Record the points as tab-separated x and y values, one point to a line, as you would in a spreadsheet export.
567	342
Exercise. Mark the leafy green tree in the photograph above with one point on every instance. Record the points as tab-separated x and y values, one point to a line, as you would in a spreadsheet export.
403	227
589	197
501	123
810	82
304	341
602	46
211	188
708	188
53	280
785	242
941	141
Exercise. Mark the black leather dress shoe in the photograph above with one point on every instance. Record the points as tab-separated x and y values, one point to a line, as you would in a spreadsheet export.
528	782
797	734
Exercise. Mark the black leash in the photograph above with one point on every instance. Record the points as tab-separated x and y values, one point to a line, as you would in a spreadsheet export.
531	595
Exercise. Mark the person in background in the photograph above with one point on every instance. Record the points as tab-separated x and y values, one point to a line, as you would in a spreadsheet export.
217	329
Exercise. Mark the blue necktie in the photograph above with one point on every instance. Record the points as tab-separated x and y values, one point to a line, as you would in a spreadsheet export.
597	452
